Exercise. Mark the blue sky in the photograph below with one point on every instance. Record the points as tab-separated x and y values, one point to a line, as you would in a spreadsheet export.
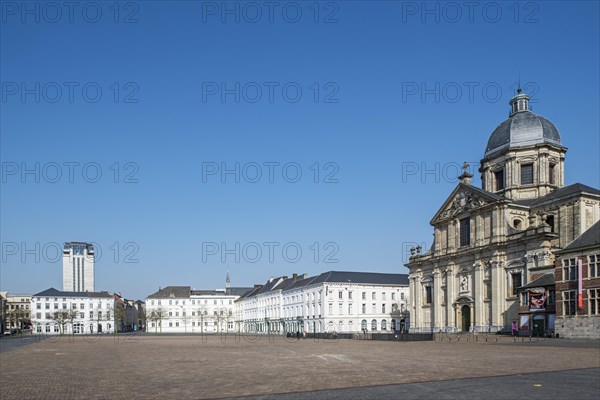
146	103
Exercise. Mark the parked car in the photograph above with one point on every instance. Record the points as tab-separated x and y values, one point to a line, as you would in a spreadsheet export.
7	332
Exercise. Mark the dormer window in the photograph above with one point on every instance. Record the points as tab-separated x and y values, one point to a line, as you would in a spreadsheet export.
526	174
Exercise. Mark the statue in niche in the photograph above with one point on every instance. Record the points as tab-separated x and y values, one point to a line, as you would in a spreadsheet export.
464	283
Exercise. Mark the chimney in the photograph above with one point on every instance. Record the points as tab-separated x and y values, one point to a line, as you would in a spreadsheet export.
295	277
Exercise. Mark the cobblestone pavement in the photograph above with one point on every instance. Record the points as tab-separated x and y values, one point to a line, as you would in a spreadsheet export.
582	384
10	342
194	367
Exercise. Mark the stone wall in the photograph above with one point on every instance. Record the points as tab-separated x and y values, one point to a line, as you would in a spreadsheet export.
580	327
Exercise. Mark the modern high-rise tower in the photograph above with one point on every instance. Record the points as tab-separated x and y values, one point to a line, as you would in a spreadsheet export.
78	267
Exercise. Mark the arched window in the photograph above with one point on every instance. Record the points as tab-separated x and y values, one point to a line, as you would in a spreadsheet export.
374	325
350	326
363	324
383	325
393	324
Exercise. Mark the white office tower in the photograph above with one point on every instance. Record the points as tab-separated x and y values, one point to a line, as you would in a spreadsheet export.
78	267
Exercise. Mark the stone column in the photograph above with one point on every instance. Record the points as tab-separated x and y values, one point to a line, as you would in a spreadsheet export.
498	293
450	295
478	293
436	306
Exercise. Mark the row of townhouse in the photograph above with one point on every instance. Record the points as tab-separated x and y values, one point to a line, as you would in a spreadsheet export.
332	301
64	312
15	313
181	309
566	301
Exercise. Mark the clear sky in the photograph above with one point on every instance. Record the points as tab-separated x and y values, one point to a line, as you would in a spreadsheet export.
119	119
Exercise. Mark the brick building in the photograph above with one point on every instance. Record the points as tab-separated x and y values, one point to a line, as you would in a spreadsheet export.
578	272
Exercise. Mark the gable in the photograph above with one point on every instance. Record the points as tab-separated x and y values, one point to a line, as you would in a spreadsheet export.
464	198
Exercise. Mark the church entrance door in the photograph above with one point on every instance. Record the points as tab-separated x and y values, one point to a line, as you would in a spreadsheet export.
465	312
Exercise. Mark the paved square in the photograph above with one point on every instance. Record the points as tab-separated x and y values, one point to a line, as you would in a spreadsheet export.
186	367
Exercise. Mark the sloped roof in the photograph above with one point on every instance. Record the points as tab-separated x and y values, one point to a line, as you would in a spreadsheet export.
544	280
576	189
589	238
361	277
171	291
238	291
52	292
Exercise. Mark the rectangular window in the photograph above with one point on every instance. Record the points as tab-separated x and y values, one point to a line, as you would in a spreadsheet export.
47	306
551	297
383	308
383	296
516	282
526	174
350	308
594	301
349	295
499	179
393	296
428	295
341	295
594	266
340	309
465	232
524	298
91	315
373	296
569	269
569	302
401	296
38	306
374	308
330	308
364	308
551	172
364	295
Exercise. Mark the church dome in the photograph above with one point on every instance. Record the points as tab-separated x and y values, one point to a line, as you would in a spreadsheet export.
522	128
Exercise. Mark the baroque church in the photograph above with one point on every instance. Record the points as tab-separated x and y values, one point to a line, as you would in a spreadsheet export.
490	241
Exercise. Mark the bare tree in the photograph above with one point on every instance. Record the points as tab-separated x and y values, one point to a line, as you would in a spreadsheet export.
61	317
157	316
18	318
119	315
72	315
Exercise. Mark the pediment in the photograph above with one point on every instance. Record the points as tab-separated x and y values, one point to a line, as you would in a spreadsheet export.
464	199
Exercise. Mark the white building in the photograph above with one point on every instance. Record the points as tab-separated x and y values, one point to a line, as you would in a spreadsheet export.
182	309
78	267
332	301
54	312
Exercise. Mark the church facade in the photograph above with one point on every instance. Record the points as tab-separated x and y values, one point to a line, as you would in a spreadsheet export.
490	241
